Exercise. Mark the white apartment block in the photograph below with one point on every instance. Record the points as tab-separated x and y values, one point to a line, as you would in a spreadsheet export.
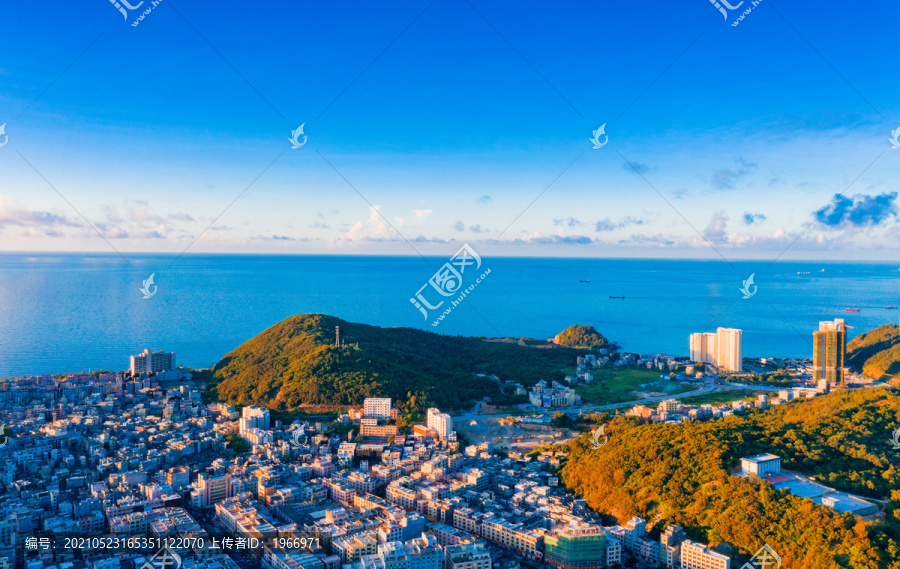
346	452
511	536
256	437
245	517
341	492
378	407
150	362
254	418
722	348
440	422
403	497
278	559
729	354
351	548
698	556
634	530
703	347
393	555
370	562
361	482
389	531
647	550
761	465
424	552
613	550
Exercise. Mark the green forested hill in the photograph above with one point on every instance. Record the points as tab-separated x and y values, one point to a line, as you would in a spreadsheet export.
582	336
682	473
877	352
295	362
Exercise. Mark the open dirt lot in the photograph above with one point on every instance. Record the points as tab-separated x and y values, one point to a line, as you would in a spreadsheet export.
506	436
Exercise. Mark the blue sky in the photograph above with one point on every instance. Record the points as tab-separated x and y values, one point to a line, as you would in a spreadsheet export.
431	124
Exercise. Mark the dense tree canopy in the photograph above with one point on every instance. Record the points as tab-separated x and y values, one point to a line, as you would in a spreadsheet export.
682	474
876	352
296	362
582	336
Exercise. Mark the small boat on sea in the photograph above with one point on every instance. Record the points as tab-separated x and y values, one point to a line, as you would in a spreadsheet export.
852	309
620	297
802	272
891	307
586	281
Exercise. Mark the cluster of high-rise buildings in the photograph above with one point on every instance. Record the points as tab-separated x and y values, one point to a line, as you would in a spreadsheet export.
722	348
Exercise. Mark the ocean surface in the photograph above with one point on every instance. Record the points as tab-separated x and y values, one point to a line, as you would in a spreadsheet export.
72	312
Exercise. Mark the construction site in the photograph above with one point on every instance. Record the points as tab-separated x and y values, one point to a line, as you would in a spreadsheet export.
510	435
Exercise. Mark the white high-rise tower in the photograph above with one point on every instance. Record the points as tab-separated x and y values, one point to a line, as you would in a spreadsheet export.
722	349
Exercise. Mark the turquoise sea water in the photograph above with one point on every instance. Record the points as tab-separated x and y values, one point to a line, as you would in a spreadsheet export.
72	312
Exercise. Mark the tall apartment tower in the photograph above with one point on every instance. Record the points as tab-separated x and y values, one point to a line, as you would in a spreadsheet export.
729	354
829	351
722	348
703	347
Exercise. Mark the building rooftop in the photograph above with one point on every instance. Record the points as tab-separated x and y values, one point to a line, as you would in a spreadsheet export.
764	457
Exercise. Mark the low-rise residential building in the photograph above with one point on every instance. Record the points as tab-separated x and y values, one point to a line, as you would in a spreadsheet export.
698	556
467	556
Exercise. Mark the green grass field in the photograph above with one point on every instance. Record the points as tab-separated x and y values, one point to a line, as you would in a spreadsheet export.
614	385
719	397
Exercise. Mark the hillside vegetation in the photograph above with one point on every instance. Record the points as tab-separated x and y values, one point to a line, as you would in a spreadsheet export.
295	363
582	336
876	352
682	473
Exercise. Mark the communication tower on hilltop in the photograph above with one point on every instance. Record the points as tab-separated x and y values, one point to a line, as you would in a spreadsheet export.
337	336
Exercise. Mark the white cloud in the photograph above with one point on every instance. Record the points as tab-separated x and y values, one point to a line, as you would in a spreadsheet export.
372	229
421	214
